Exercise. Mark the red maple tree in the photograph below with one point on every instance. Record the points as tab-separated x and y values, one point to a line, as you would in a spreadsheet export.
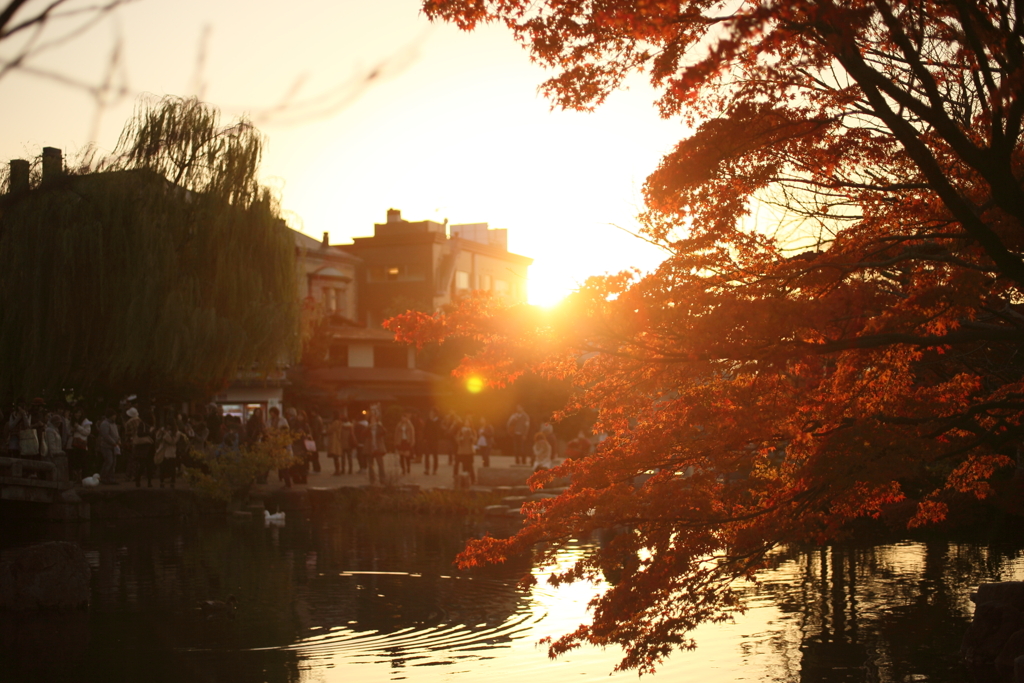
779	377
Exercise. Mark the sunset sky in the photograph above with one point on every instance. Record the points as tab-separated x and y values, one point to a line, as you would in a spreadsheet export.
367	106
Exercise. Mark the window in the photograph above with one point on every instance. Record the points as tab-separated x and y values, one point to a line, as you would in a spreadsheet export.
397	273
339	302
501	287
461	280
330	303
485	283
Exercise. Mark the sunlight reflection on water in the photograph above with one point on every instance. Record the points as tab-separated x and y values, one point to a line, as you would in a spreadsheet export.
378	599
769	642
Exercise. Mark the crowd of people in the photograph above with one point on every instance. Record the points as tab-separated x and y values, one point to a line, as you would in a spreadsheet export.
134	442
425	439
416	438
129	441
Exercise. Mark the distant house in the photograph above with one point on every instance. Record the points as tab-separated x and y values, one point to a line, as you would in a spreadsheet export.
366	365
424	265
352	288
327	276
359	364
420	265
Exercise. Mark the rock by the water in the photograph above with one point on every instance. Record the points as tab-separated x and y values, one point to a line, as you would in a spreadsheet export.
1010	592
52	575
993	624
1011	652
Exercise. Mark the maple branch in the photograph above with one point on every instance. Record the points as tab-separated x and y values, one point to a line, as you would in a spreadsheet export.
643	238
872	84
912	254
961	336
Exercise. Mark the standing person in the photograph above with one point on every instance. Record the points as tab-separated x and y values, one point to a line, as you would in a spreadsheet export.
144	448
232	440
81	428
65	429
186	437
300	426
53	445
417	449
131	426
275	425
376	448
339	443
405	439
350	453
200	434
316	428
16	423
542	453
518	427
255	429
361	430
109	444
214	423
486	441
449	430
548	430
465	442
166	456
431	436
37	418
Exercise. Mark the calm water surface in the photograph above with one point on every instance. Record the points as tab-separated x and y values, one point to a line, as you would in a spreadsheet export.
377	599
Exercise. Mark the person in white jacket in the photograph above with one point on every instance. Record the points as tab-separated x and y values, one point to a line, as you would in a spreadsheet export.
543	458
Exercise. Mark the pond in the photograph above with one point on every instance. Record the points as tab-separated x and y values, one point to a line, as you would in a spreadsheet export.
376	598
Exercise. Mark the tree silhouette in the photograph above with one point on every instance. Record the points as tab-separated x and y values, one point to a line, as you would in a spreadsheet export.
837	324
163	269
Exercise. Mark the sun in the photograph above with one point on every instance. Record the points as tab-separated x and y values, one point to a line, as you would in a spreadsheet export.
548	286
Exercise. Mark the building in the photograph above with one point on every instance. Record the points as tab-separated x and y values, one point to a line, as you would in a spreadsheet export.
348	290
327	276
424	265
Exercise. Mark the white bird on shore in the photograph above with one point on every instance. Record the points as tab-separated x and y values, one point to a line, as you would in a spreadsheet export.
94	480
276	518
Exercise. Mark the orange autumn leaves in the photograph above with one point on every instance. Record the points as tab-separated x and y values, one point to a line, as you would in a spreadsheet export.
837	325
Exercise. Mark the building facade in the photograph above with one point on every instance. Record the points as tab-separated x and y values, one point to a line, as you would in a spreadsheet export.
424	265
348	290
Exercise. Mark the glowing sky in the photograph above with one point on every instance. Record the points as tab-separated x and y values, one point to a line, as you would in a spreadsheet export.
368	106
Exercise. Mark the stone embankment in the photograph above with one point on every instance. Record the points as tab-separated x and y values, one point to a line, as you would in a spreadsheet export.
993	646
500	490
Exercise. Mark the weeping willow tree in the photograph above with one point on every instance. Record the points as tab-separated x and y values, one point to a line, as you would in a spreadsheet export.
162	269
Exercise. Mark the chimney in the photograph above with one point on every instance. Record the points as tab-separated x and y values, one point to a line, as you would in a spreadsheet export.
394	216
327	240
53	164
19	176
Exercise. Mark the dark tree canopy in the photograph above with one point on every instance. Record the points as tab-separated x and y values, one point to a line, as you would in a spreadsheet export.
164	269
836	332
